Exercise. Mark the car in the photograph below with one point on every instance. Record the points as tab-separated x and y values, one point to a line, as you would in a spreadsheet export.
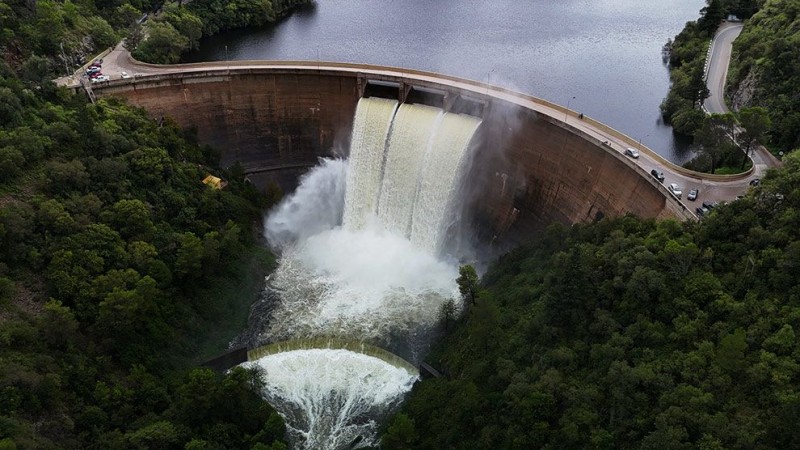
100	78
675	190
631	152
658	174
755	182
95	75
92	69
710	205
702	211
124	75
692	195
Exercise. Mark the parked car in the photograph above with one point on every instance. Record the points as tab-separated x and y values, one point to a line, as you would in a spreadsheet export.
631	152
125	75
702	211
710	205
755	182
675	189
92	69
658	174
692	195
100	78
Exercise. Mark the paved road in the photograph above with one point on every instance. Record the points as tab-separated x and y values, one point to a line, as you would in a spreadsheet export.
718	66
119	61
715	81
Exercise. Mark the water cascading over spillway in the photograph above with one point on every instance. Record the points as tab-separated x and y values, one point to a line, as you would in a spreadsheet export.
379	276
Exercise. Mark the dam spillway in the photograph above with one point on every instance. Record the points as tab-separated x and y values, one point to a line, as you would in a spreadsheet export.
277	118
380	275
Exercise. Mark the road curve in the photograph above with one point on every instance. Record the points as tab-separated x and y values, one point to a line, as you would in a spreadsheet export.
712	188
718	66
716	77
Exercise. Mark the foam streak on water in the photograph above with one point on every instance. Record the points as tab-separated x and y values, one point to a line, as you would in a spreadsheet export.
438	181
367	284
370	130
335	395
410	141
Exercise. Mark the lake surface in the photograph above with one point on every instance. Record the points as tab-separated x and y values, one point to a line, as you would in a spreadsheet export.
599	57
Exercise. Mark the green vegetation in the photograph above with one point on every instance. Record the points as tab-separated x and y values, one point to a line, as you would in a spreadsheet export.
179	27
763	81
44	36
116	260
765	69
629	333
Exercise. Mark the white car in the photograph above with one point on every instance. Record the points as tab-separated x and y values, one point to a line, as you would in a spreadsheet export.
675	189
124	75
632	152
100	78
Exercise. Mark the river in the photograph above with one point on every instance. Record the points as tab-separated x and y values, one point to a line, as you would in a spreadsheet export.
599	57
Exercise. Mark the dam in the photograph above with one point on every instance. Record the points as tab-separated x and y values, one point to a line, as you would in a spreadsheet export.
535	163
366	242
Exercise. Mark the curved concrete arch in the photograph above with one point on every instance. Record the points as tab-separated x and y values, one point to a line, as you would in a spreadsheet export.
333	344
536	162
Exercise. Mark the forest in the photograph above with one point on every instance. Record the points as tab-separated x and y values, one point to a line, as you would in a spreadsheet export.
765	70
116	261
628	333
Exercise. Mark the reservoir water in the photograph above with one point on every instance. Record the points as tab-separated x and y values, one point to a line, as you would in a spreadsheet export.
599	57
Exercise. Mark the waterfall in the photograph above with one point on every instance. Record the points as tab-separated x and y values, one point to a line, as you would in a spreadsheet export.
412	132
379	275
370	131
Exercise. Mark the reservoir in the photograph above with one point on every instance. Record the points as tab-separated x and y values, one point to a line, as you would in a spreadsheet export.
599	57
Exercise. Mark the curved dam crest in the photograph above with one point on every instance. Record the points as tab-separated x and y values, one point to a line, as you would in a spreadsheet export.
530	168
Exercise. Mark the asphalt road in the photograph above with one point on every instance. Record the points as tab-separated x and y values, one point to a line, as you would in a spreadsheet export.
718	66
715	81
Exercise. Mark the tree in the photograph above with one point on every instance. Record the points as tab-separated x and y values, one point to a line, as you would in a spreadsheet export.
163	45
713	14
447	312
401	434
755	124
716	136
730	353
467	282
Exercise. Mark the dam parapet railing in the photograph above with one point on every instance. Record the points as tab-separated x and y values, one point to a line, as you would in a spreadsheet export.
149	73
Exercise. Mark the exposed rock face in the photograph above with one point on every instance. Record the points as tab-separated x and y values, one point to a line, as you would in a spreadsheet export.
743	95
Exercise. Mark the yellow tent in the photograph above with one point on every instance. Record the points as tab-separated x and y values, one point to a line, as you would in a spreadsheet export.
214	182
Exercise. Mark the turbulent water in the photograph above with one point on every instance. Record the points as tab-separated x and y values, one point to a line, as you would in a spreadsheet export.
337	396
362	258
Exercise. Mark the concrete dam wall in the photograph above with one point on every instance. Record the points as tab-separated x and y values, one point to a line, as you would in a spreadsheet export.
530	167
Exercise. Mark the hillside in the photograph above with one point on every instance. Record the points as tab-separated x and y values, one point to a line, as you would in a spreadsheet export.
629	334
765	69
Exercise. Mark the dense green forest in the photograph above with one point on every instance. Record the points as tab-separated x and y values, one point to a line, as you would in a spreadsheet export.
115	262
629	333
765	69
179	27
47	35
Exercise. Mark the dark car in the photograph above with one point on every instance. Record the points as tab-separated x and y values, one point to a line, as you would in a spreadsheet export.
710	205
701	211
692	195
755	182
658	174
